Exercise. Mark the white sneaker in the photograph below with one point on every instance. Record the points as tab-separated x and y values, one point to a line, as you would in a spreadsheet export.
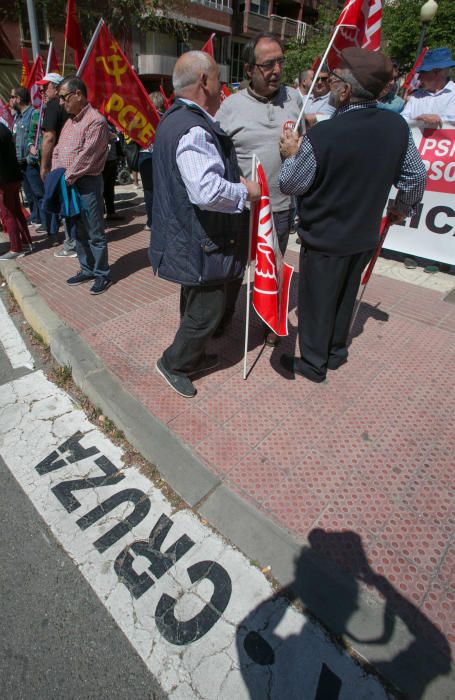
65	253
12	256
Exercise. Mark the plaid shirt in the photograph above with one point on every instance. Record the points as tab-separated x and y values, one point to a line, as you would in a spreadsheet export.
82	146
298	172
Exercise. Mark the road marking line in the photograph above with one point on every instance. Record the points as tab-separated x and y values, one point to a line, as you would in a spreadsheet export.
203	619
11	340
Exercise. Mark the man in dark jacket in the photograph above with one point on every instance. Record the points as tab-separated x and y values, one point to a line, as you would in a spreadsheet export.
196	241
10	206
342	172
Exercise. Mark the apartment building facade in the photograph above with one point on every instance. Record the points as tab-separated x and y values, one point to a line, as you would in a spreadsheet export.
154	53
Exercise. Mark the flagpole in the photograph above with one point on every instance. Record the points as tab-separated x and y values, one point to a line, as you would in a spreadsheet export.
385	225
248	274
40	117
316	76
64	57
90	47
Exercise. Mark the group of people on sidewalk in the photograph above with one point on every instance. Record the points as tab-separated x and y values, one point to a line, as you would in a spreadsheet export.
198	188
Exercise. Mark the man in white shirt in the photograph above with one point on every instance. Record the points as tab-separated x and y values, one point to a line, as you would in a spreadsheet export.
318	107
434	102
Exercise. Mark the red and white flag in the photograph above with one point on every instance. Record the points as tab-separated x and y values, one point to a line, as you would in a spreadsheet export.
36	73
73	36
359	24
208	46
272	276
53	62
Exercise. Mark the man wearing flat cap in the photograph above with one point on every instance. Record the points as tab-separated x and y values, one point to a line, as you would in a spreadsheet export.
434	102
341	173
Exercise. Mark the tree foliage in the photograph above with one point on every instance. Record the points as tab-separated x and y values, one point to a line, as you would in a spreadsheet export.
300	55
401	29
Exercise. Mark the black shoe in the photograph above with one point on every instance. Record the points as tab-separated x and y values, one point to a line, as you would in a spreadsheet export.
79	278
205	363
179	382
100	285
290	363
271	339
334	364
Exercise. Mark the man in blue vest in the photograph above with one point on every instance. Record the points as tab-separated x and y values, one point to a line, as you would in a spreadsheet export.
341	173
199	230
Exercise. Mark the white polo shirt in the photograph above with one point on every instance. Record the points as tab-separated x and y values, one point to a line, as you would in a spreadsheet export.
441	103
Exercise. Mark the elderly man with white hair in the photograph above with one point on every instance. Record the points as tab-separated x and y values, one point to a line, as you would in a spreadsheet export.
199	230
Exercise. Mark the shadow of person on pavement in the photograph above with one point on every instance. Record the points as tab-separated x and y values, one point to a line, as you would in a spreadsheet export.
365	313
282	656
130	263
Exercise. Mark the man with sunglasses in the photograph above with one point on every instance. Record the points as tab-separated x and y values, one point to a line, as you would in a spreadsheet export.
341	173
82	152
254	118
318	106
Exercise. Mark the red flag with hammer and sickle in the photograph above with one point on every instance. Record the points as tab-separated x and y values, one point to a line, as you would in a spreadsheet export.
116	91
272	276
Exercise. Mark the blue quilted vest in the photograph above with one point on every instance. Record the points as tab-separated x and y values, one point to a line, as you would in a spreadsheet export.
189	245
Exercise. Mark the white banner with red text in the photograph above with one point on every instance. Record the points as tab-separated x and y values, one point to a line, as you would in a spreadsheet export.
430	233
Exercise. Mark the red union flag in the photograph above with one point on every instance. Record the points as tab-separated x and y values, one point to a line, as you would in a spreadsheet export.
36	74
25	68
359	24
114	88
73	36
272	276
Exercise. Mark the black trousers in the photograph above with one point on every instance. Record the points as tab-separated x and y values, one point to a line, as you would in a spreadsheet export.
328	286
109	173
201	311
283	221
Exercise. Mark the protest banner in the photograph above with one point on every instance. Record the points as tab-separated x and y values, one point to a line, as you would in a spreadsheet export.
115	90
430	233
25	68
36	73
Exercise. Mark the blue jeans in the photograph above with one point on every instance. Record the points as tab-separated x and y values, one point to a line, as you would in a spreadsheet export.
33	178
146	171
91	242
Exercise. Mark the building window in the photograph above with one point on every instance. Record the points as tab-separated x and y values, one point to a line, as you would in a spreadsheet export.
237	74
223	5
41	21
257	7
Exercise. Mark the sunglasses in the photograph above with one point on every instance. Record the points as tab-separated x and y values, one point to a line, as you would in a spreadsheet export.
63	98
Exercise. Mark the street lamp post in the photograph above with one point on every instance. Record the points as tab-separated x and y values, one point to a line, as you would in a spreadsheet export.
427	15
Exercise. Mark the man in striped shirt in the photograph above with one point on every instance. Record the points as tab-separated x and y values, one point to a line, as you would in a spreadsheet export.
82	152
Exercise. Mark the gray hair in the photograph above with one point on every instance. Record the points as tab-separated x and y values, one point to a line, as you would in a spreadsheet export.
188	72
303	75
358	91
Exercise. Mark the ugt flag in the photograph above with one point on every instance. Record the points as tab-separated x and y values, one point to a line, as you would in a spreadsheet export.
359	24
36	73
116	91
272	276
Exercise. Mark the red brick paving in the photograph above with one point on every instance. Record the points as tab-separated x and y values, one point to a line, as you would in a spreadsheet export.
371	451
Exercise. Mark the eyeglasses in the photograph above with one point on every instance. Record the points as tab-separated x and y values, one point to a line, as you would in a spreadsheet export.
64	98
323	79
270	65
12	97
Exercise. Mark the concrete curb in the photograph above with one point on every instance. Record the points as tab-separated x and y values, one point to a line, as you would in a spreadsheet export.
247	528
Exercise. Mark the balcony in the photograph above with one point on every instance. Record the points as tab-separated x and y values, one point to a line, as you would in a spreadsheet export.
163	65
250	23
287	28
